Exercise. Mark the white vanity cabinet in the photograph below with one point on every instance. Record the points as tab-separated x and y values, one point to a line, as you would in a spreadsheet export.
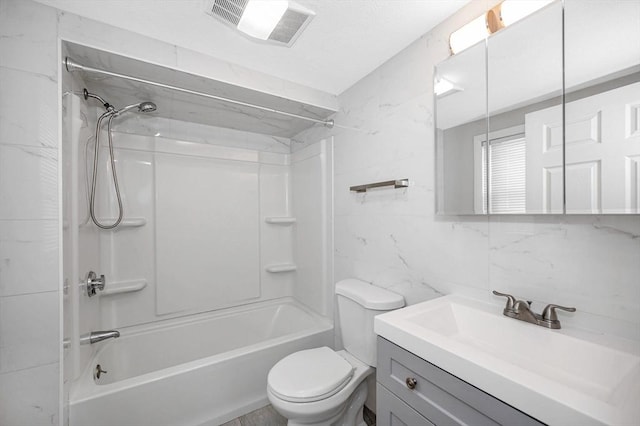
414	392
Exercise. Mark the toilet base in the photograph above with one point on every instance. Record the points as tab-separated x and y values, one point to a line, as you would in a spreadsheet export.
351	413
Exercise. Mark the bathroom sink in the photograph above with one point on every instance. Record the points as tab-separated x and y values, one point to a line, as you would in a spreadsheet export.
557	376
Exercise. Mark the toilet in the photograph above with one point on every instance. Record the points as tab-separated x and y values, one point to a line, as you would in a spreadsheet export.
325	387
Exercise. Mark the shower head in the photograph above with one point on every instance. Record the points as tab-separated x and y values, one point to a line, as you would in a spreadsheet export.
147	107
144	107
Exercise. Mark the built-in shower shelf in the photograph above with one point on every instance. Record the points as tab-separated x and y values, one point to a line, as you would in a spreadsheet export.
280	220
119	287
281	267
131	222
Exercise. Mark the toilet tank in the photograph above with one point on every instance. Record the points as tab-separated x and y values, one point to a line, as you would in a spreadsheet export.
358	303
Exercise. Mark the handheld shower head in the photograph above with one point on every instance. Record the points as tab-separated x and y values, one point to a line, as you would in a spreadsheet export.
144	107
147	107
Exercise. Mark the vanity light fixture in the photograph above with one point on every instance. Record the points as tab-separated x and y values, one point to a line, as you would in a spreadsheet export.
500	16
443	87
275	21
469	34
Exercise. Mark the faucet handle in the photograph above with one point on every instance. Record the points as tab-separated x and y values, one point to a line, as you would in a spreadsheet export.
94	283
511	301
522	305
549	313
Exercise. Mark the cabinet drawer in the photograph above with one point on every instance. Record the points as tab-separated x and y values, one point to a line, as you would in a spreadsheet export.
391	411
439	396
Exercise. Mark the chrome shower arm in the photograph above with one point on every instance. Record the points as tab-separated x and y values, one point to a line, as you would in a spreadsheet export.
88	95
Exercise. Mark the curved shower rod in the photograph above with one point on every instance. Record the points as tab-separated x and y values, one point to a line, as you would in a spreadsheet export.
71	66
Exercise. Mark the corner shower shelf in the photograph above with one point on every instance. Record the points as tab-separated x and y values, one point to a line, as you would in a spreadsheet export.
119	287
281	267
280	220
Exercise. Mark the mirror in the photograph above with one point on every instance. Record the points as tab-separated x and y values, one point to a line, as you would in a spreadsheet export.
524	164
461	107
602	106
496	152
513	138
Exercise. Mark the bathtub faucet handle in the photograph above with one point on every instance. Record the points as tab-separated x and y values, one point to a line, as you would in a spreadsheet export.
94	283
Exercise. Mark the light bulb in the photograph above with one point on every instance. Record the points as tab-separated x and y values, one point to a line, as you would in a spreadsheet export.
468	35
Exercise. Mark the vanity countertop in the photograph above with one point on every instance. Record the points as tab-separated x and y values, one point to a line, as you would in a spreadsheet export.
565	376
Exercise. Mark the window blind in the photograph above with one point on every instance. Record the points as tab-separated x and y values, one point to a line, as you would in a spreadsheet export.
507	175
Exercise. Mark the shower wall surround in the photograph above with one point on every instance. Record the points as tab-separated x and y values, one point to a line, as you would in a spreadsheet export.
200	246
385	130
198	232
312	169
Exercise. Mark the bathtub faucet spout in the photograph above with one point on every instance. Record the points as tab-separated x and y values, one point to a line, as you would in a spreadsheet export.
98	336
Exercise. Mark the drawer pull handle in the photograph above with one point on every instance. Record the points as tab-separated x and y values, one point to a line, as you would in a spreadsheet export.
411	382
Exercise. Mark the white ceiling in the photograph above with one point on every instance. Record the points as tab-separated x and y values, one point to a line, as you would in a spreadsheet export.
345	41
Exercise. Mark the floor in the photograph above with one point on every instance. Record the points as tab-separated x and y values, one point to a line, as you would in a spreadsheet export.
265	416
268	416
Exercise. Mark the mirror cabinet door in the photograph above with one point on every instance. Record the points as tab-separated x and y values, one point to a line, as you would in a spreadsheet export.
525	156
602	106
461	103
543	117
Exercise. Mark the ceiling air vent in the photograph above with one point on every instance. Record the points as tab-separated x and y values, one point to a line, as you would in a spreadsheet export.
281	24
229	11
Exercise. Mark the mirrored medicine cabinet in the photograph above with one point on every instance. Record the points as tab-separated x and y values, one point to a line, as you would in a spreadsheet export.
543	116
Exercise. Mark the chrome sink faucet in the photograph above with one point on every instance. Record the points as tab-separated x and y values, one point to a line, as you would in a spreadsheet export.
521	310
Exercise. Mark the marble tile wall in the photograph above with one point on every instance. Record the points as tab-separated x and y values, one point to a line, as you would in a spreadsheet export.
393	238
29	234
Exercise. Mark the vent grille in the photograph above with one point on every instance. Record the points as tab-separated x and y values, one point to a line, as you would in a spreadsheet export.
288	27
229	10
291	25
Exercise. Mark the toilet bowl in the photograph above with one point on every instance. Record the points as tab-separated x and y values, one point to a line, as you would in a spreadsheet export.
325	387
335	391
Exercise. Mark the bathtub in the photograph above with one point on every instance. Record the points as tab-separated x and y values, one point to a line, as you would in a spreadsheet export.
202	370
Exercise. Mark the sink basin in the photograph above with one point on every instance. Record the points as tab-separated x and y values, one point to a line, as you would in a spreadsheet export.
557	376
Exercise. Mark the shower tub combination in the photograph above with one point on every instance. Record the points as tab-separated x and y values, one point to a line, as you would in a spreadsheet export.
203	370
210	367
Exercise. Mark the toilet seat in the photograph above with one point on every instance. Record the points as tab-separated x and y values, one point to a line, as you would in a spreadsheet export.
309	375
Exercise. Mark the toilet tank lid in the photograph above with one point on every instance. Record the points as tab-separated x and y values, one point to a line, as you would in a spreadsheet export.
368	295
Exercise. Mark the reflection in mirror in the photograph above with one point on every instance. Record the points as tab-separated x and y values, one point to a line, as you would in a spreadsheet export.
496	151
524	65
460	116
602	80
